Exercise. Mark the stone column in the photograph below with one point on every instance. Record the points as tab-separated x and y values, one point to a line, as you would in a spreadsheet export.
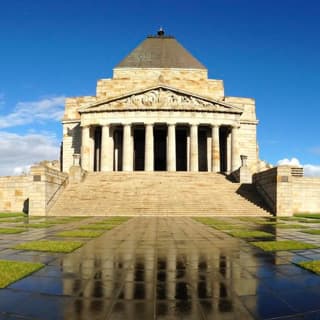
106	149
86	152
215	160
171	148
235	156
127	152
188	152
209	151
228	141
148	152
194	159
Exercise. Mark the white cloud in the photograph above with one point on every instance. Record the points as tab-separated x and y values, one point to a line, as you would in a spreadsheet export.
18	152
34	111
310	170
289	162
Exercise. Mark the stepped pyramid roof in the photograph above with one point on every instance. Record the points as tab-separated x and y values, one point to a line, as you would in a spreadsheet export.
160	51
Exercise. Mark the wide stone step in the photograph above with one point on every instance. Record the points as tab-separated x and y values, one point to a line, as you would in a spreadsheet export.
157	193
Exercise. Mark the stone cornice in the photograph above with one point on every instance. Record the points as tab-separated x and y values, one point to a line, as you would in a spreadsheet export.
160	98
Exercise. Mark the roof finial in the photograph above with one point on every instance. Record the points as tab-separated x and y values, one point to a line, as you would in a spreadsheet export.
161	32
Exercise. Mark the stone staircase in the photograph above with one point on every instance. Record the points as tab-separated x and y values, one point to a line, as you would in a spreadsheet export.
158	193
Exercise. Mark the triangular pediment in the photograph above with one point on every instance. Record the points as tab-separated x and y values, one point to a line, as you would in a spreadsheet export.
161	98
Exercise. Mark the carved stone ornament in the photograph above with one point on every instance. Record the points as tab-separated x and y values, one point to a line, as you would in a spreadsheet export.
161	98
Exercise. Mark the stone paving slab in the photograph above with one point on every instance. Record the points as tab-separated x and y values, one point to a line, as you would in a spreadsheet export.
163	268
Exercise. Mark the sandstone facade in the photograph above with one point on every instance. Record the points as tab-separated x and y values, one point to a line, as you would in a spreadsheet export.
160	112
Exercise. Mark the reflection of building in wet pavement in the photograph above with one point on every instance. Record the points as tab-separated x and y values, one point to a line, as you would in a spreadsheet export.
141	271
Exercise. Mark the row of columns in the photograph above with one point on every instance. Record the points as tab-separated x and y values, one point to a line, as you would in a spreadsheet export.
107	145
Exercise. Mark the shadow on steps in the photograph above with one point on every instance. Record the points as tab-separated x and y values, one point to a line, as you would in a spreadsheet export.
249	192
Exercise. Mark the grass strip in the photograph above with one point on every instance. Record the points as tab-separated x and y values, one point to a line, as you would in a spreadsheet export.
313	266
50	246
38	225
97	226
267	223
283	245
81	233
13	214
308	215
291	226
12	271
11	230
250	234
255	219
13	220
224	227
312	231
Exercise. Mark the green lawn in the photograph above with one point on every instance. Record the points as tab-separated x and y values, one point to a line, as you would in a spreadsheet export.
11	230
13	219
250	234
283	245
50	246
13	214
291	226
267	222
97	226
313	266
11	271
81	233
308	215
227	226
312	231
38	225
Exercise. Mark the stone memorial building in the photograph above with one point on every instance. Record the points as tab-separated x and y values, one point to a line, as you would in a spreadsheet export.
160	112
160	138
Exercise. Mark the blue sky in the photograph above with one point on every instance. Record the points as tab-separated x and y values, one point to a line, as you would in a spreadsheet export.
268	50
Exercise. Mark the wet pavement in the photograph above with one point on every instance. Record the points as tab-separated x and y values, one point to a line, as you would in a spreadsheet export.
163	268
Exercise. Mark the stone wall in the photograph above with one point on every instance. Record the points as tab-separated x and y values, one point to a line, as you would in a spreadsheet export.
266	185
14	193
286	193
46	186
71	143
306	195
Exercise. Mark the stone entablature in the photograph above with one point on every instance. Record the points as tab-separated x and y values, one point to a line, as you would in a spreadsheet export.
161	98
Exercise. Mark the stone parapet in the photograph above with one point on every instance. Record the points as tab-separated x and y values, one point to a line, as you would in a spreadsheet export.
287	193
46	185
14	193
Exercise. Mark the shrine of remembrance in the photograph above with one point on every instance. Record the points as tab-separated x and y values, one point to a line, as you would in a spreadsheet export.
160	112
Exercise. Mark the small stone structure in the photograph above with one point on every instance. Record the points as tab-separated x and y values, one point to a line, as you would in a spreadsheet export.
34	193
287	191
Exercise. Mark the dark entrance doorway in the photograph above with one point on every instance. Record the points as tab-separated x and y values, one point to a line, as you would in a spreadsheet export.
202	149
97	149
223	136
139	147
117	159
181	149
160	149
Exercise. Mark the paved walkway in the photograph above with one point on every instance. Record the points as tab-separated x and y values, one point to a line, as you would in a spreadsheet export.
162	268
